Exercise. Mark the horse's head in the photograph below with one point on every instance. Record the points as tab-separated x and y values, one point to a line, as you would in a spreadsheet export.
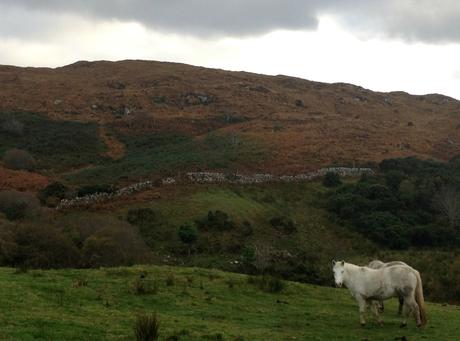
338	268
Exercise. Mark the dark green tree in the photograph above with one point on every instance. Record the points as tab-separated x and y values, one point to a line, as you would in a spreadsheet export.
188	235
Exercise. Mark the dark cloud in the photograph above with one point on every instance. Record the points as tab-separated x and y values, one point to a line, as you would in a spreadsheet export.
195	17
411	20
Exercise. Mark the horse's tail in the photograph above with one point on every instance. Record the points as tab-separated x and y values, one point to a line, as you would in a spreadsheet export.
420	299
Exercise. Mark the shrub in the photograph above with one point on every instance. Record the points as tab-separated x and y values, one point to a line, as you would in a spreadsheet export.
393	179
385	229
147	327
246	229
140	216
284	224
51	194
332	179
115	243
40	246
217	220
19	160
93	189
16	205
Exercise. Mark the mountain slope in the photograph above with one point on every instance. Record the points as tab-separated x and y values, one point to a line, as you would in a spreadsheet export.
288	124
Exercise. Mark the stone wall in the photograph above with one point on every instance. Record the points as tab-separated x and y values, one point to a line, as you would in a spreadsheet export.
209	178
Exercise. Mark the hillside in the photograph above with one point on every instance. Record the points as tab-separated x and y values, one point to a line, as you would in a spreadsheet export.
141	118
192	304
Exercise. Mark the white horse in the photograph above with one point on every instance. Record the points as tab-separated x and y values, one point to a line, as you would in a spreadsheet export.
367	285
377	264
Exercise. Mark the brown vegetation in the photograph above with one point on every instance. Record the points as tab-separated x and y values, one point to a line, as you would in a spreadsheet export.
21	180
307	124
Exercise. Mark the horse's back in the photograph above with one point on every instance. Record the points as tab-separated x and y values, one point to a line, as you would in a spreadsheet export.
400	276
376	264
393	263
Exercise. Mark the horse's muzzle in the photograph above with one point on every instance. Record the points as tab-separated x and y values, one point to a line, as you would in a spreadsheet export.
338	285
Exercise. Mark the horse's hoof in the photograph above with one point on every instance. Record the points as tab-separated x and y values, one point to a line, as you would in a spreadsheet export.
381	323
403	325
419	325
363	325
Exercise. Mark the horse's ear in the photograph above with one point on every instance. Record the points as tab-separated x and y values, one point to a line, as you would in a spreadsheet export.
343	263
333	262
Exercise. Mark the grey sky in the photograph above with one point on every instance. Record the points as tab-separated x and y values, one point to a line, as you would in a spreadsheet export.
410	20
385	45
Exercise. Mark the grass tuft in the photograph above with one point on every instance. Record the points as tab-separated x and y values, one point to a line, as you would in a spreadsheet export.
147	327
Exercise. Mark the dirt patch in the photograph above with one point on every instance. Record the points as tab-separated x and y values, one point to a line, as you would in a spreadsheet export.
116	149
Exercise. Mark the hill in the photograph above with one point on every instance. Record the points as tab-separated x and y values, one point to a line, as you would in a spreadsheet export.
192	304
134	119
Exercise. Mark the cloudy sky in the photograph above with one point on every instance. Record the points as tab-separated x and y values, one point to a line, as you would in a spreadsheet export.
410	45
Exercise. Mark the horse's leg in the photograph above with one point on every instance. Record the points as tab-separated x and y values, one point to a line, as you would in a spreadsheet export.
375	306
381	306
414	308
401	304
405	312
362	309
410	306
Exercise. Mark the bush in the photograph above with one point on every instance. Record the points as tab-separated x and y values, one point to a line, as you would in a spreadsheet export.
93	189
39	246
19	160
217	220
385	229
147	327
52	194
114	244
246	229
332	179
17	205
284	224
140	216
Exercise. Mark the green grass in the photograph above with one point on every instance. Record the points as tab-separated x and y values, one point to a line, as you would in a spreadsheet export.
48	305
170	153
57	145
256	204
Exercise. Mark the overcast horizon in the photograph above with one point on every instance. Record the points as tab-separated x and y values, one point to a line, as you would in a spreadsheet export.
404	45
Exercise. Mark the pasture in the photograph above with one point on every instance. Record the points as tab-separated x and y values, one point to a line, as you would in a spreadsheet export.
192	304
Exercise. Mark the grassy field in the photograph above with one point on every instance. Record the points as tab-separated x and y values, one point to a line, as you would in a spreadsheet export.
318	238
255	204
199	305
